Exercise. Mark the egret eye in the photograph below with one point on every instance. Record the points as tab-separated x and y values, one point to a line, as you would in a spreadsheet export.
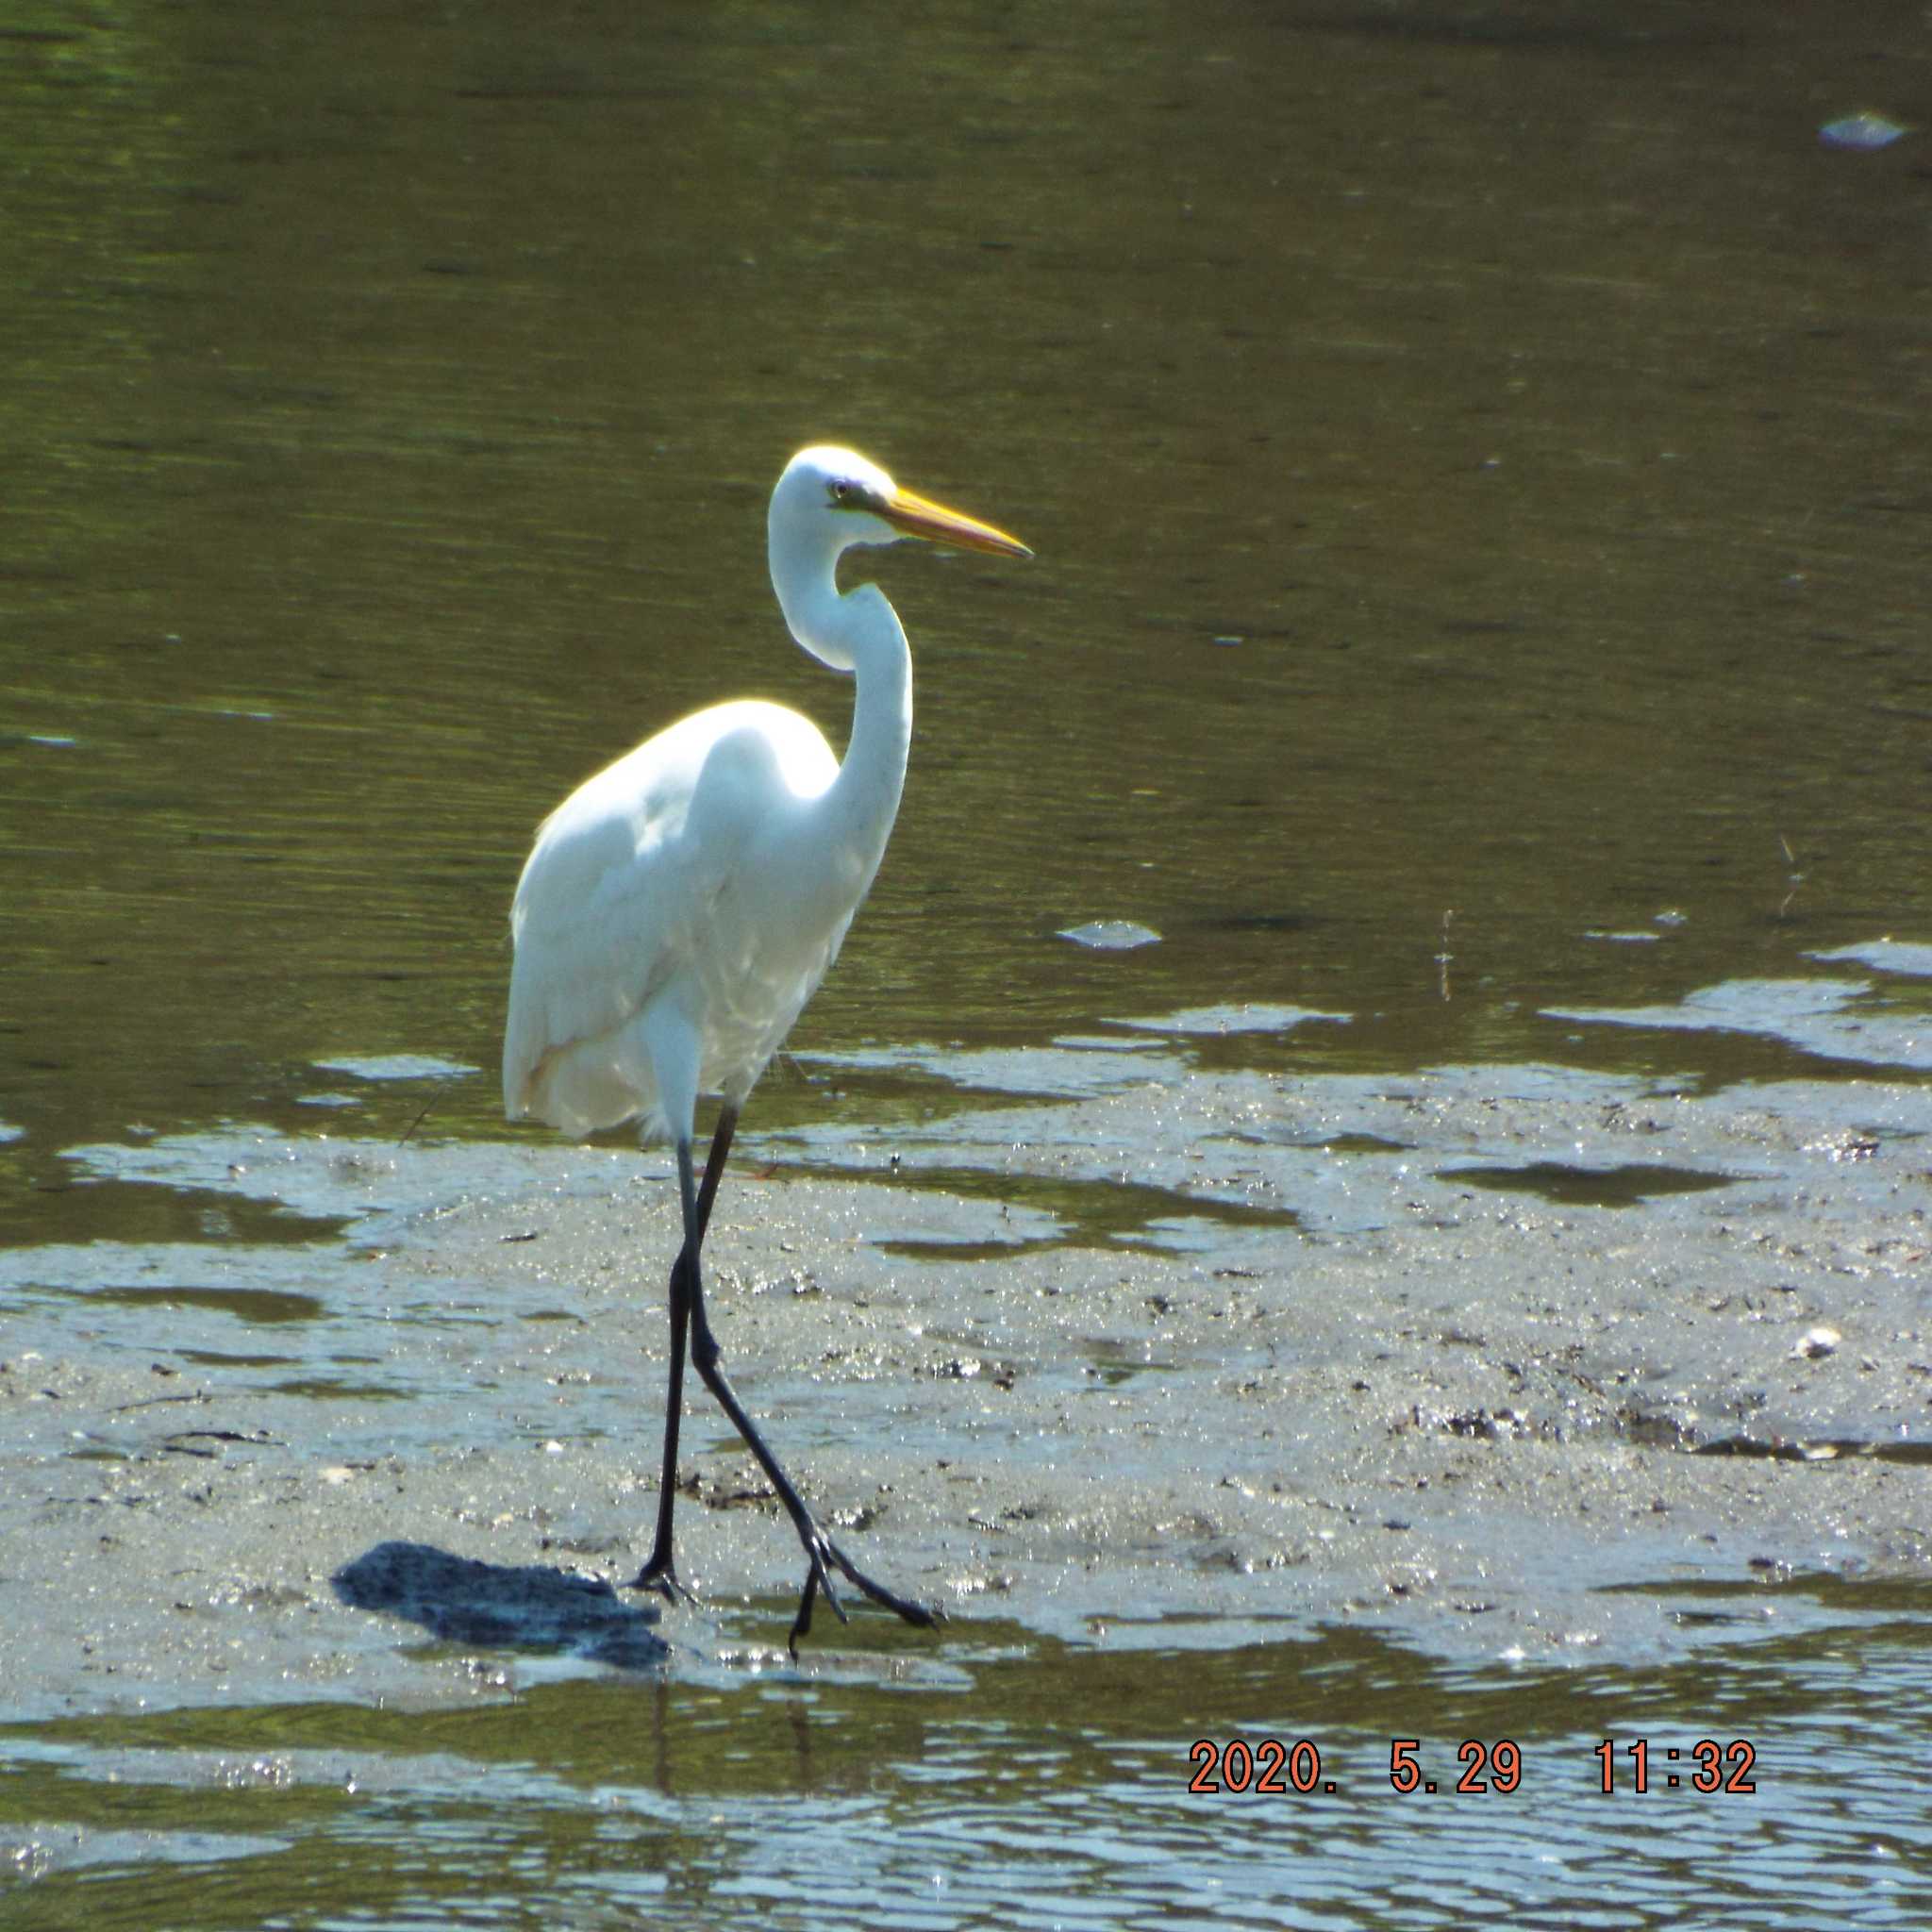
845	495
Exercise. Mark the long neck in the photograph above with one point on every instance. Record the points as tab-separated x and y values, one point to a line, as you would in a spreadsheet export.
859	631
864	798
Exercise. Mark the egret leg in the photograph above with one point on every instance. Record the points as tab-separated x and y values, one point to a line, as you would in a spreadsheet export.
823	1555
659	1573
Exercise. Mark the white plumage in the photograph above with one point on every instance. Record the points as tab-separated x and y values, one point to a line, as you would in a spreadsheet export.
679	908
666	890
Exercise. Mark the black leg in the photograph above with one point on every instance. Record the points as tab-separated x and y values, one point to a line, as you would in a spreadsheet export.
822	1552
659	1573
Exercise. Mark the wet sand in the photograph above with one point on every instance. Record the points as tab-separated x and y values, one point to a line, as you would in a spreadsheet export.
1385	1357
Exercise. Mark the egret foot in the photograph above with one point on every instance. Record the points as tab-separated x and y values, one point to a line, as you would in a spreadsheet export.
822	1552
660	1575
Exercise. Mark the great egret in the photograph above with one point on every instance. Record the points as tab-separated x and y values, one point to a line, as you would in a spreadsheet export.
680	907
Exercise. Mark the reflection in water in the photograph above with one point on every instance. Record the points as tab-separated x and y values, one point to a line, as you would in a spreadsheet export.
880	1791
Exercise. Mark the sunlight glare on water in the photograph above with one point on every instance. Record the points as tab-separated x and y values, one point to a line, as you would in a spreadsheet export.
842	1802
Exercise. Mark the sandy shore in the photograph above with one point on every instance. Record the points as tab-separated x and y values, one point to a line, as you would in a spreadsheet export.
1384	1355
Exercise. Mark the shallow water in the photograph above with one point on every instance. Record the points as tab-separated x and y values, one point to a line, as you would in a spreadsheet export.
1470	454
879	1791
1475	462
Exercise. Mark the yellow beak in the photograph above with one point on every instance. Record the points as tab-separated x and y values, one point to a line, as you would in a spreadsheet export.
918	516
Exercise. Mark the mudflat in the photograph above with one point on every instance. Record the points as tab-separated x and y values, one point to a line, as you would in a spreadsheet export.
1500	1360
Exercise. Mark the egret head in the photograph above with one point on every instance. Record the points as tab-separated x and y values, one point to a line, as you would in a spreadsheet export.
827	500
836	498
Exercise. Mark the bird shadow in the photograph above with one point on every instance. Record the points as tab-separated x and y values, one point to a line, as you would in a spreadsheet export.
536	1606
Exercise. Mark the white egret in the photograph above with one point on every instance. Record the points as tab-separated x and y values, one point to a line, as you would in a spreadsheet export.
680	907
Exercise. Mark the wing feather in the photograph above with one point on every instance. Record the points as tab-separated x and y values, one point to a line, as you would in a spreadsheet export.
620	898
